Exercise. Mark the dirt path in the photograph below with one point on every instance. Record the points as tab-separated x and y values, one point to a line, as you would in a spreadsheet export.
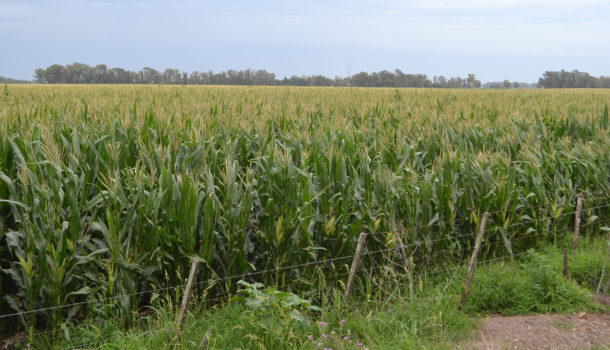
578	331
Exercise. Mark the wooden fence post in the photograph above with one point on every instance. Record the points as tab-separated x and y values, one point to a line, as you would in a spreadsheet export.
410	275
601	279
565	262
352	271
577	222
473	259
187	293
206	338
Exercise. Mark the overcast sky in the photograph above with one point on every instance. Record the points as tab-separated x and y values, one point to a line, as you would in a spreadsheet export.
495	39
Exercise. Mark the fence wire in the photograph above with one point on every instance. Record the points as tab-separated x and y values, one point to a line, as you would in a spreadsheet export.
399	248
296	266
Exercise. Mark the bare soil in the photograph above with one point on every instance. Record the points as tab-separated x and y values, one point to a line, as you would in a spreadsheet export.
553	331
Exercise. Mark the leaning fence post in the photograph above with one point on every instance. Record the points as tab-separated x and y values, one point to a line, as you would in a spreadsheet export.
187	293
352	271
577	222
473	258
601	279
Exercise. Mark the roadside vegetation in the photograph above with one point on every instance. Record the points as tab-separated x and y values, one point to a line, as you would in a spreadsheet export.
383	318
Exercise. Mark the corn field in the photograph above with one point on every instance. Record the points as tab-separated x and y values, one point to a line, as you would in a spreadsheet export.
107	191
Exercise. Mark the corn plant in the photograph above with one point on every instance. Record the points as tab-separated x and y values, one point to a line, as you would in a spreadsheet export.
107	192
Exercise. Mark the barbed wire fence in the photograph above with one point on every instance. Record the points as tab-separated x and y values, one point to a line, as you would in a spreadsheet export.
415	257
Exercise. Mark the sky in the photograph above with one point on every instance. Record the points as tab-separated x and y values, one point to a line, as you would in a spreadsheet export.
494	39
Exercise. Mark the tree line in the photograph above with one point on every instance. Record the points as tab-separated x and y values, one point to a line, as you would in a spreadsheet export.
80	73
6	80
507	84
573	79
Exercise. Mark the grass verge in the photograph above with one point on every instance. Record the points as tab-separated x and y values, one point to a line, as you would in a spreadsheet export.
380	319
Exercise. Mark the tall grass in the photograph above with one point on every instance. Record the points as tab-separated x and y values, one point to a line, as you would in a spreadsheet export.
109	191
393	317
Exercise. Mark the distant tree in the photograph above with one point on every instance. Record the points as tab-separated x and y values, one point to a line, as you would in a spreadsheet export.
78	73
194	78
455	83
171	76
55	74
263	77
100	74
150	76
361	79
441	81
472	82
320	80
40	75
573	79
386	78
121	76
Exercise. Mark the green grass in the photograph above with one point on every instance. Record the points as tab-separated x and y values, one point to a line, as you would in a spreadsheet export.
585	266
531	286
385	319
